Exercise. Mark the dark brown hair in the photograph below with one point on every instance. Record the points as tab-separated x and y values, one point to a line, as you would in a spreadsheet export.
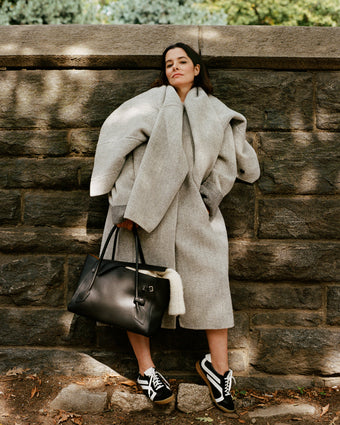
201	80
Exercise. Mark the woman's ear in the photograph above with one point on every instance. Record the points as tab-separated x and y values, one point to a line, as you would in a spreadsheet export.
197	69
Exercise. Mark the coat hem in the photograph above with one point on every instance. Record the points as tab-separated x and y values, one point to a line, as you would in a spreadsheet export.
229	323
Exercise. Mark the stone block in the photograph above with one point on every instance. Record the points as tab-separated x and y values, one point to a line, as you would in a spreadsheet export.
305	351
32	143
278	296
238	209
48	240
269	46
94	46
109	337
130	402
193	398
282	218
284	409
238	360
80	333
267	382
299	163
85	173
35	327
238	335
98	208
123	364
49	173
182	361
10	212
327	100
76	398
333	305
5	167
53	362
287	318
45	327
284	261
174	339
32	280
255	94
83	141
75	265
56	208
66	98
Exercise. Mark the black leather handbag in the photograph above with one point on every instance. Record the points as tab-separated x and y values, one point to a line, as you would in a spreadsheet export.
119	293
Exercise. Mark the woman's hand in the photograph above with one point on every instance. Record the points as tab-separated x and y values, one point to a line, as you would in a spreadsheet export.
126	224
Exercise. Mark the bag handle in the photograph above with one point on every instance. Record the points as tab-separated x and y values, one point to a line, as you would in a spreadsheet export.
139	253
137	241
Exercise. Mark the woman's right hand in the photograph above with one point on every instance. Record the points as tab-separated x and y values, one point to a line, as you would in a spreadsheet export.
126	224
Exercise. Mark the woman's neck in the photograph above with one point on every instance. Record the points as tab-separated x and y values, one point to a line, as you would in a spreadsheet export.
182	92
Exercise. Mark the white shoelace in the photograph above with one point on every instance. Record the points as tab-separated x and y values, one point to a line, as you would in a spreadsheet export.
156	380
228	382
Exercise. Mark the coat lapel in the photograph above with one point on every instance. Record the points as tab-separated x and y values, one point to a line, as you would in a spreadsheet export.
207	131
163	168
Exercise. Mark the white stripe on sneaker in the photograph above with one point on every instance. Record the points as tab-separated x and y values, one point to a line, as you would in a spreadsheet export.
214	380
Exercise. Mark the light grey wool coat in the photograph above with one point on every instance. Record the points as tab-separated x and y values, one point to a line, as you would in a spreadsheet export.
167	165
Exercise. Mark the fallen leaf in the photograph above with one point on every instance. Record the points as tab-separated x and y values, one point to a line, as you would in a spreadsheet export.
257	396
325	410
241	421
16	371
128	383
62	417
34	392
78	420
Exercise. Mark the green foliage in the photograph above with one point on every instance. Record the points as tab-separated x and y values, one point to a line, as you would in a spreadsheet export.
301	390
280	12
185	12
20	12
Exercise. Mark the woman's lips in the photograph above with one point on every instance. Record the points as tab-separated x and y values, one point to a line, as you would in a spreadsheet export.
177	75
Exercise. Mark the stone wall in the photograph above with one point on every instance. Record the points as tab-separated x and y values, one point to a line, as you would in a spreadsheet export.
59	83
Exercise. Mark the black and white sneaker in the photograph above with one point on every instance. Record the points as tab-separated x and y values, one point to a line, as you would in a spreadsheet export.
219	385
155	386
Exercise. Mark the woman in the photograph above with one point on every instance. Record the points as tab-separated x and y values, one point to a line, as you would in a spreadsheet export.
167	158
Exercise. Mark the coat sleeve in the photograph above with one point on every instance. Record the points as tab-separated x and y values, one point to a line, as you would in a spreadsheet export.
237	159
120	193
124	130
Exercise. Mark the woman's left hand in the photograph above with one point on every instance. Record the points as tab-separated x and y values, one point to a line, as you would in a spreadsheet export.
126	224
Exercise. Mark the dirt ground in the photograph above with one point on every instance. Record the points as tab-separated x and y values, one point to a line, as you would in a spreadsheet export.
24	399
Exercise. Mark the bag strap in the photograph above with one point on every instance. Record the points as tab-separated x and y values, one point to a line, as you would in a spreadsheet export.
139	254
137	242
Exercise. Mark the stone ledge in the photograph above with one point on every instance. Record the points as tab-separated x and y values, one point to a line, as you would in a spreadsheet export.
140	46
85	363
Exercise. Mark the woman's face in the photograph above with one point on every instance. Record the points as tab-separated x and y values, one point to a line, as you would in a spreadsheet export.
179	69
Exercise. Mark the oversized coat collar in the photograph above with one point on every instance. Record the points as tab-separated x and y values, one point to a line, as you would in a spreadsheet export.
156	117
164	165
